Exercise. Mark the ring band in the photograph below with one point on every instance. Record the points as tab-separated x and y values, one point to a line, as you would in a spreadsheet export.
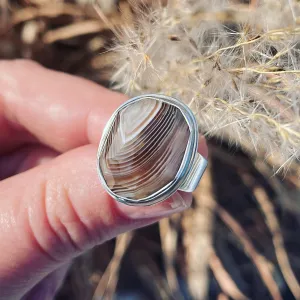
148	151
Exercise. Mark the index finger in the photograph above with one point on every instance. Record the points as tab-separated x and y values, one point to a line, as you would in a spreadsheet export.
59	110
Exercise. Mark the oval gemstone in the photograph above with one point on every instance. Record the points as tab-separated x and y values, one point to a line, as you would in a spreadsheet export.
144	149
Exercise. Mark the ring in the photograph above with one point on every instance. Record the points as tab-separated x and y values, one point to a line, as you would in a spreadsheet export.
148	151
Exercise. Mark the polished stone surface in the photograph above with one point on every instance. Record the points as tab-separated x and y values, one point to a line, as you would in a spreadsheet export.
144	149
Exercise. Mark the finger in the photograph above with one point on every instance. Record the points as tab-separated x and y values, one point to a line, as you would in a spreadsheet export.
49	286
17	162
24	159
57	210
59	110
202	147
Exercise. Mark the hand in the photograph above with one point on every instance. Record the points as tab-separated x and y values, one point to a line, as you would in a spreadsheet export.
52	205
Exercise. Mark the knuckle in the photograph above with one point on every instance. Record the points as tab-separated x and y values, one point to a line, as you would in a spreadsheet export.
64	218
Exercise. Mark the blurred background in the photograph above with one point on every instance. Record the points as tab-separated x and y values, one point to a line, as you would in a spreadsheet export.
239	240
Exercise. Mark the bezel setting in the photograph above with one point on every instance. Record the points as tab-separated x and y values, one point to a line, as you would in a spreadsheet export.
188	175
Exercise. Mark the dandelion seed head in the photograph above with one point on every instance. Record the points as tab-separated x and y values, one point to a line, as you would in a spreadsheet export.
240	76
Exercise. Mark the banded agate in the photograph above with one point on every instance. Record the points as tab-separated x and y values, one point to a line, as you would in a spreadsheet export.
144	149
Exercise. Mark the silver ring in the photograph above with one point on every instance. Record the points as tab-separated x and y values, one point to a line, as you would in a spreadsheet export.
148	151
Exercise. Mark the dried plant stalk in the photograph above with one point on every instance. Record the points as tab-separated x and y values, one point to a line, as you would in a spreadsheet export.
224	279
236	67
258	260
281	254
107	285
169	241
198	227
222	297
49	10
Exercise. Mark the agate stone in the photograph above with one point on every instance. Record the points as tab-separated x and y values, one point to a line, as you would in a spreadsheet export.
144	149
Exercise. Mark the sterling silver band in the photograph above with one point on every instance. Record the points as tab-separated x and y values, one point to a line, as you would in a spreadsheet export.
193	178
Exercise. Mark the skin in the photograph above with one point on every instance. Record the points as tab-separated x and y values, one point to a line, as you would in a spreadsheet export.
52	205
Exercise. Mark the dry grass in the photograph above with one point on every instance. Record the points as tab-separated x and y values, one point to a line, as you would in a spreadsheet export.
240	238
232	64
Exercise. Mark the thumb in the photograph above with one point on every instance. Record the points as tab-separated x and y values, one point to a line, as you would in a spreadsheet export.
52	213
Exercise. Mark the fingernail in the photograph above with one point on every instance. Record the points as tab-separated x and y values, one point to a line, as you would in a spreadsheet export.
176	203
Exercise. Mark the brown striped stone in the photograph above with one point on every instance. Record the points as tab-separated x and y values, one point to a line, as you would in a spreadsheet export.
144	149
